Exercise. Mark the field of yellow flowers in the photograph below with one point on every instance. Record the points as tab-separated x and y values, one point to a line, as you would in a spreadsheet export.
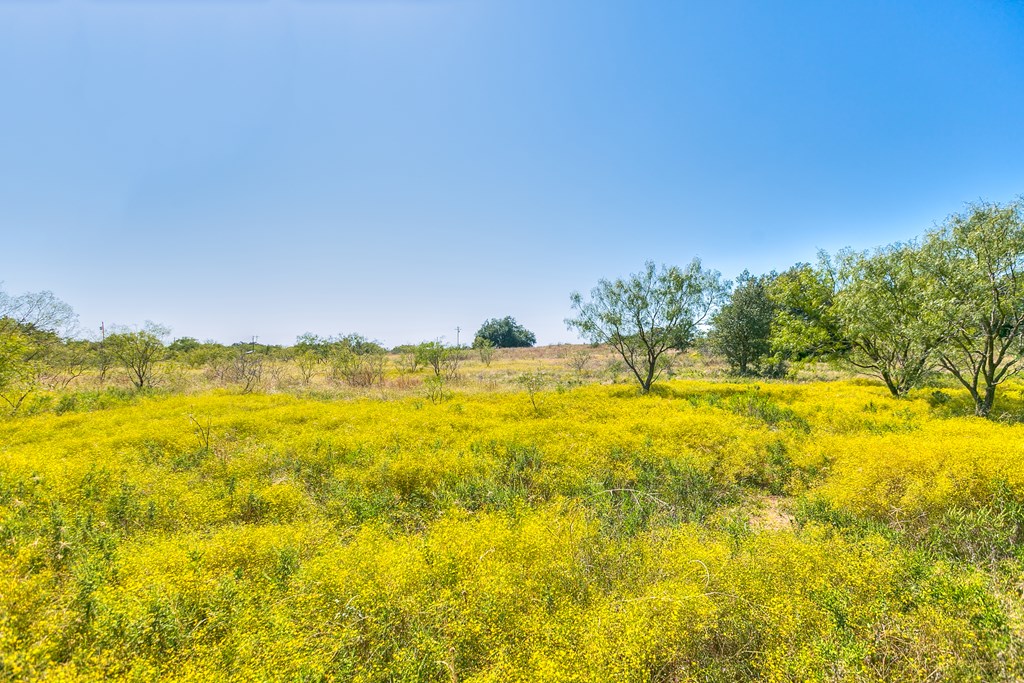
708	532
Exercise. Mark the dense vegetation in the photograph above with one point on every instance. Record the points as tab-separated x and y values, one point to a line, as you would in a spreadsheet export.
707	531
952	301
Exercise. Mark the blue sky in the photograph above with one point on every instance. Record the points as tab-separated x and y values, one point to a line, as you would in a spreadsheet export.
400	168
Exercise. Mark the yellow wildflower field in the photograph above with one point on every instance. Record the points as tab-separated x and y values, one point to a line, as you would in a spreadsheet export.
707	532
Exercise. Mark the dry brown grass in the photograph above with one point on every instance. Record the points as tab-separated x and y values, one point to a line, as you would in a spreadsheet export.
561	365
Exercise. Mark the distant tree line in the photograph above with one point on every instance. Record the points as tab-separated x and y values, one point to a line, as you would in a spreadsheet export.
951	301
41	347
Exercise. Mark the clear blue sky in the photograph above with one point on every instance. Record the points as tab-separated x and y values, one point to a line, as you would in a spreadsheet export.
400	168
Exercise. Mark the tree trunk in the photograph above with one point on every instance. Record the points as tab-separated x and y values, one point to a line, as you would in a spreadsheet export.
983	404
645	385
891	385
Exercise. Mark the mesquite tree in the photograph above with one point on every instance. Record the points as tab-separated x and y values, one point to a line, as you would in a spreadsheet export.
138	351
975	283
886	316
648	313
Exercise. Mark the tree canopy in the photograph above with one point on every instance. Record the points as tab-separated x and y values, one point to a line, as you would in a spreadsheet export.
137	351
975	285
805	325
742	327
647	314
32	325
504	333
885	316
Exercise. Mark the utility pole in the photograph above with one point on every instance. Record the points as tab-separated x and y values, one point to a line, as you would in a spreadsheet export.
458	331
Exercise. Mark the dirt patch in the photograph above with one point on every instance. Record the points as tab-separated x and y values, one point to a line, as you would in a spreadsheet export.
771	513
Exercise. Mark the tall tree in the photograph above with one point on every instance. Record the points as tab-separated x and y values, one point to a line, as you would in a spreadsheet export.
742	328
31	326
806	325
647	314
36	310
975	263
138	351
886	316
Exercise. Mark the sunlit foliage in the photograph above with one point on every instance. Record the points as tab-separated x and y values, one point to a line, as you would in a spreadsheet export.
704	532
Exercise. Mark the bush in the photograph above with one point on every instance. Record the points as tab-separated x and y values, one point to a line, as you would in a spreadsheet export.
505	333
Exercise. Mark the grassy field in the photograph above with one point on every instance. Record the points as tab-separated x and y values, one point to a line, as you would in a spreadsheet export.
712	531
